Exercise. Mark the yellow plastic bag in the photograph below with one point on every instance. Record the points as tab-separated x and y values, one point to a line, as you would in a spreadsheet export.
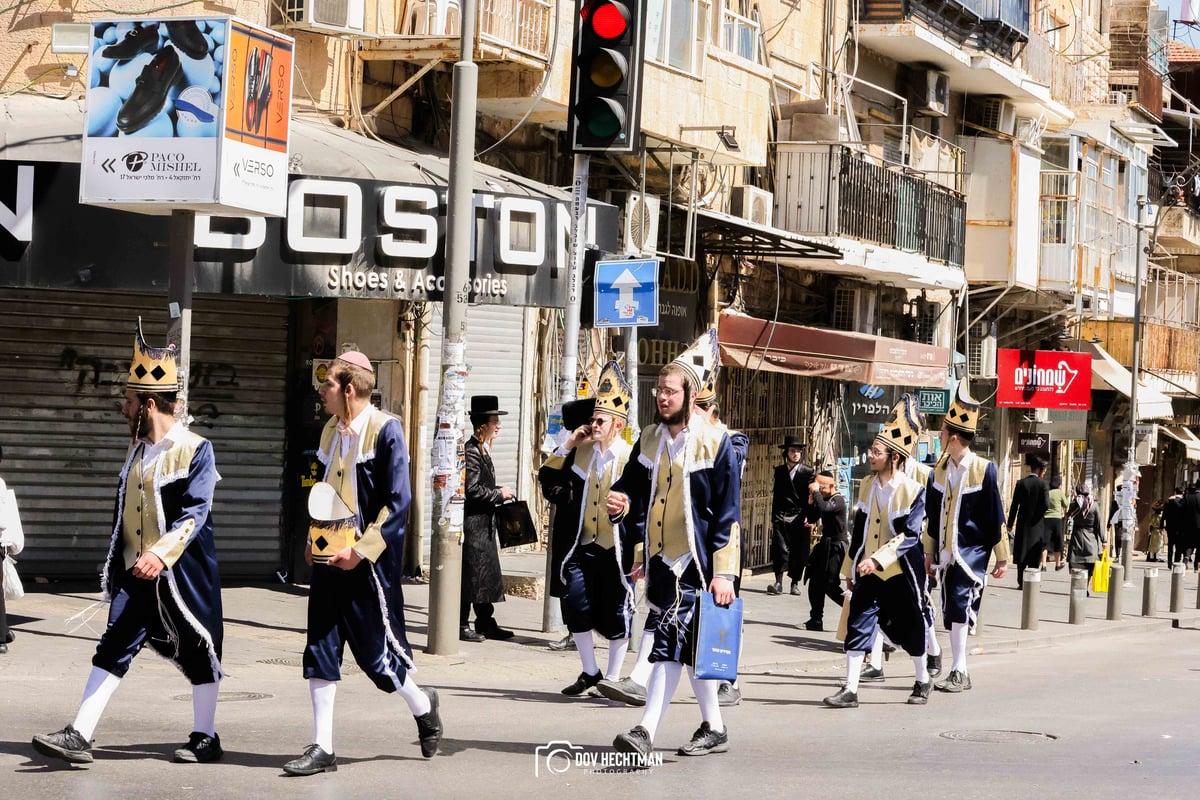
1101	572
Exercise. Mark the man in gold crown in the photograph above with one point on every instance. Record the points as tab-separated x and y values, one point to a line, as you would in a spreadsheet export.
966	521
597	594
356	596
678	499
161	571
883	564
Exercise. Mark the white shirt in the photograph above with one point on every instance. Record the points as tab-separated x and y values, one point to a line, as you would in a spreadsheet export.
349	434
882	493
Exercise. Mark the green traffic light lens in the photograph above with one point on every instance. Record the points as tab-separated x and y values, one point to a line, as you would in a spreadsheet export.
603	118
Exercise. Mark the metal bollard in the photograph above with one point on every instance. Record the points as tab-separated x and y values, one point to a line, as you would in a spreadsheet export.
1177	573
1079	582
1115	579
1150	593
1127	558
1031	587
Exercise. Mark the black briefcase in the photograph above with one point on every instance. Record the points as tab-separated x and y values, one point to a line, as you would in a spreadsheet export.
514	524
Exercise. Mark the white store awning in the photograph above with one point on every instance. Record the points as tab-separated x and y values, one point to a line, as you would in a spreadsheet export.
1108	373
1185	437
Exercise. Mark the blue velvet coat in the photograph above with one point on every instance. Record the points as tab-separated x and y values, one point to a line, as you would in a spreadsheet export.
979	513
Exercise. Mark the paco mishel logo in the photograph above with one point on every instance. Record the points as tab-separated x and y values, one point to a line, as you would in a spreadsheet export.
135	161
871	391
1055	379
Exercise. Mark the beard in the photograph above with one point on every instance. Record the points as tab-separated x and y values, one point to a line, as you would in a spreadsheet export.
677	418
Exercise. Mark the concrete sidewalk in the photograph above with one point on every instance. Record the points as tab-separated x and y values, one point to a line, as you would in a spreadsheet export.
265	627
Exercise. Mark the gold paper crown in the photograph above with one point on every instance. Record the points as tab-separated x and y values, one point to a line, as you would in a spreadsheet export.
963	414
153	368
901	431
612	392
702	360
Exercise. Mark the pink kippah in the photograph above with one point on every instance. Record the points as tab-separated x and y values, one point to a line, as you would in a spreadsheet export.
357	359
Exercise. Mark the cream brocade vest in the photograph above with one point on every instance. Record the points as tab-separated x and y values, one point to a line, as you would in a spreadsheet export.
139	517
340	474
595	524
667	522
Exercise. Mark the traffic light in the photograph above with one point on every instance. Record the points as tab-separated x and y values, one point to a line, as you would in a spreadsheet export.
606	77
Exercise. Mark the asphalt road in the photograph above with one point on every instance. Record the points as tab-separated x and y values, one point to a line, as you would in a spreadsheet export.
1099	717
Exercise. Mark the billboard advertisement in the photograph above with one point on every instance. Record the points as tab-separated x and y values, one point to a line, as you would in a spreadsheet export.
1043	379
187	112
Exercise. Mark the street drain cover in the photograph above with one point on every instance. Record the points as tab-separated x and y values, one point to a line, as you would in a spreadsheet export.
230	697
347	669
997	736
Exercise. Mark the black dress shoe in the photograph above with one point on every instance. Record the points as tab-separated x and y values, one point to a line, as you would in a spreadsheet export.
494	631
920	693
814	625
582	684
150	94
934	665
465	634
200	749
429	725
955	682
187	37
67	744
313	761
843	699
142	39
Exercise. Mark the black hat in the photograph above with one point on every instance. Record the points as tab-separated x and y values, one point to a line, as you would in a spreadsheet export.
578	412
485	405
791	440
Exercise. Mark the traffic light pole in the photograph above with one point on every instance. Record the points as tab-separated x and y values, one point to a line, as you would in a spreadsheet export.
448	459
569	366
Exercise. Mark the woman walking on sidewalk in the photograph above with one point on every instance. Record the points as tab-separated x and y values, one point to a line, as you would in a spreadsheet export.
1055	513
1087	534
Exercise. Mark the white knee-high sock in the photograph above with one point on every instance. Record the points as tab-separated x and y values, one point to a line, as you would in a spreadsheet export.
706	697
931	642
854	662
617	648
664	679
587	651
641	670
204	707
323	694
921	668
418	701
877	650
958	646
99	690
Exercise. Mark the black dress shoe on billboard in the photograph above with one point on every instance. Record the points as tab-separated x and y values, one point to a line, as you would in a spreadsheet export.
142	39
187	37
150	94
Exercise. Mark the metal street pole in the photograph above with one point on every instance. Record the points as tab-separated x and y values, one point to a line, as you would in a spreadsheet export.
447	457
1128	508
181	275
569	366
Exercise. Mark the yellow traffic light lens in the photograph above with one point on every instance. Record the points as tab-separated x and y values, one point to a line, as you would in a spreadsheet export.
607	69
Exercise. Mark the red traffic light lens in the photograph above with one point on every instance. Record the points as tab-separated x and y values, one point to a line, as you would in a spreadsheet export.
609	20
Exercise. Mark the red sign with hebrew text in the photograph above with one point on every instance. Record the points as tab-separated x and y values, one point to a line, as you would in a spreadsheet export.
1043	379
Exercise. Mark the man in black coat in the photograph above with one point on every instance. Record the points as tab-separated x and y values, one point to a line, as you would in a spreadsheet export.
1190	527
790	523
1172	520
823	571
1027	514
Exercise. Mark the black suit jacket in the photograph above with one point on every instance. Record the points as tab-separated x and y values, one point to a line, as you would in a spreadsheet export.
1031	498
789	499
1190	518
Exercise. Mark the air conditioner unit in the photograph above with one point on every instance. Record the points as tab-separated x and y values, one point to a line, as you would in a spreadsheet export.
325	16
997	114
640	231
1030	130
981	352
933	93
753	204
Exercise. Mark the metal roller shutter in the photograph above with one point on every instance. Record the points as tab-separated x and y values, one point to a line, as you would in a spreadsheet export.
495	350
64	358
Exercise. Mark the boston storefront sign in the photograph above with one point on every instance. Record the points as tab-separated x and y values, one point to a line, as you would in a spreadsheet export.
339	238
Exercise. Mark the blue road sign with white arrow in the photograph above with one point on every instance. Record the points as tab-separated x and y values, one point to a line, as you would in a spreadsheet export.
626	293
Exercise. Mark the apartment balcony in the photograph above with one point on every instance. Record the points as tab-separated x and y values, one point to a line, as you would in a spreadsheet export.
862	203
1179	235
519	32
1170	354
1071	81
1002	221
993	26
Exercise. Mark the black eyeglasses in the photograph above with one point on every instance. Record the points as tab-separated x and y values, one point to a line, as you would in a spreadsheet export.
597	422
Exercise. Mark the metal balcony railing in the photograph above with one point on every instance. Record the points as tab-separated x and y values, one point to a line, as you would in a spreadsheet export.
995	26
838	190
522	26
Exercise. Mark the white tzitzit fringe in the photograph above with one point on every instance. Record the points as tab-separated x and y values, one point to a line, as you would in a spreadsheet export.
76	622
